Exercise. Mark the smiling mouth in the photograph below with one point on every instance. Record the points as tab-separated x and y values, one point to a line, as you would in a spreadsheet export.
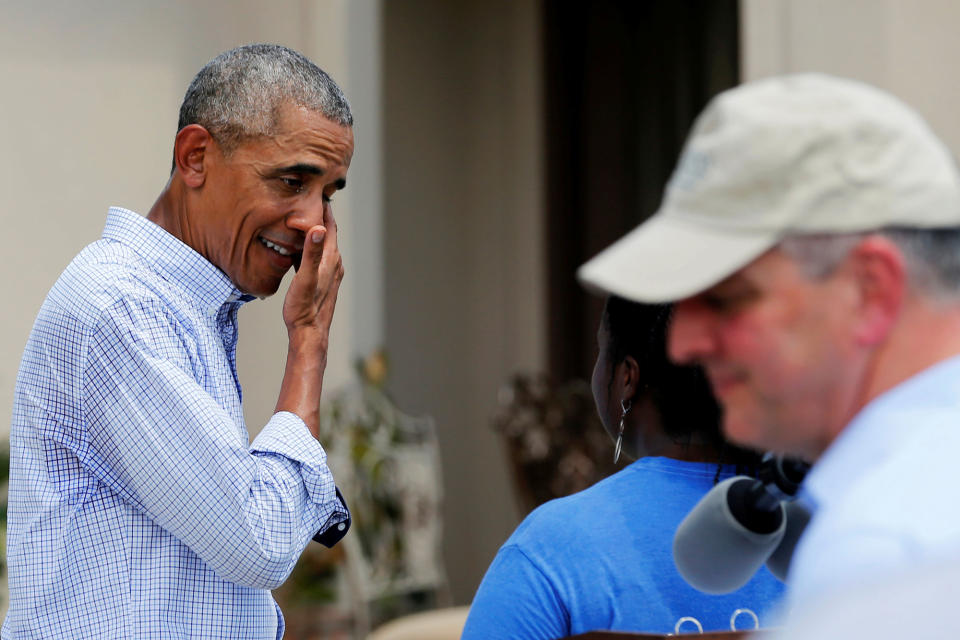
294	256
723	383
275	247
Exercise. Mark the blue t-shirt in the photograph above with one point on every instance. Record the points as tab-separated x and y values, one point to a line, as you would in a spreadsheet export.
602	559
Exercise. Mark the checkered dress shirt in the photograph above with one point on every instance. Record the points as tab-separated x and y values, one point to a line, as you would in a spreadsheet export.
137	506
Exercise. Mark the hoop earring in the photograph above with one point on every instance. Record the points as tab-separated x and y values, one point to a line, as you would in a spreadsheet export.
625	409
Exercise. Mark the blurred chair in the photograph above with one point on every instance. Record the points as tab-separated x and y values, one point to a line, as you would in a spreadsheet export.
439	624
388	466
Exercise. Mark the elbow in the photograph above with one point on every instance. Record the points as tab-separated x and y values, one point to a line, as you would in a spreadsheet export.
259	567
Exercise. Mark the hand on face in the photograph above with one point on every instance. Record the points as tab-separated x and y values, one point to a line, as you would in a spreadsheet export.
312	296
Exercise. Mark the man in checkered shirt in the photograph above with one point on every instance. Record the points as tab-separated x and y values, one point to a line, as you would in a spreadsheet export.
138	508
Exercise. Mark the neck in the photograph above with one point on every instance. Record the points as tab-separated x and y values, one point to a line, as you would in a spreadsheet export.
651	440
691	452
169	212
926	334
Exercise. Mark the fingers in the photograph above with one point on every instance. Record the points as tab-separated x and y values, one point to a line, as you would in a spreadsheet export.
331	262
313	249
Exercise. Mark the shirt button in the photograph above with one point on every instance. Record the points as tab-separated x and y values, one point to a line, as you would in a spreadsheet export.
341	527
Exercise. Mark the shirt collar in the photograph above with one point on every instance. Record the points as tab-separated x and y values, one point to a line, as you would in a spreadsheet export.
172	259
880	428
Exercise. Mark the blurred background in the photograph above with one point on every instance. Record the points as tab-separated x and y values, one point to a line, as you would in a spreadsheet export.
499	144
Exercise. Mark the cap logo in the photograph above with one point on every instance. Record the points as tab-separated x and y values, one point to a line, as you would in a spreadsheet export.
691	170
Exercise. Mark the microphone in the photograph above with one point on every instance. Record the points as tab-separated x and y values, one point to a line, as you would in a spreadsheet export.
738	525
798	515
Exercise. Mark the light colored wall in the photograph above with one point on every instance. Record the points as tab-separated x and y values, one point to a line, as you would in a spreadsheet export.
908	48
89	93
451	278
465	299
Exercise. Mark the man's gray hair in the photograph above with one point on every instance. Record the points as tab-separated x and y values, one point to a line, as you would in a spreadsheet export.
238	95
932	256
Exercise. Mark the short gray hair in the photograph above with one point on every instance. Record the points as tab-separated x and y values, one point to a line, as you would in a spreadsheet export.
932	256
238	95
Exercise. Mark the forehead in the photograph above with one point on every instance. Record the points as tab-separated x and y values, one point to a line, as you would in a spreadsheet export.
772	268
303	136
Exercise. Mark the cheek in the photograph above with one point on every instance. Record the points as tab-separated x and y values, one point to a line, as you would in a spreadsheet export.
772	350
596	385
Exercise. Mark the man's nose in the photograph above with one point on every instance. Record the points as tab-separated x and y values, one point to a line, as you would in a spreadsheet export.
690	336
307	214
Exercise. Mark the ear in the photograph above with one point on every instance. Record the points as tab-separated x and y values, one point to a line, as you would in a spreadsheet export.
626	379
880	274
190	149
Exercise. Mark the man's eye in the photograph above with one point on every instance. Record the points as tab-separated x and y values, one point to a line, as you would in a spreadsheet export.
726	302
717	303
294	184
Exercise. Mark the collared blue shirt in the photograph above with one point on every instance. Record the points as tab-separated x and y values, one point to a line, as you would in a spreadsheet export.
884	491
137	506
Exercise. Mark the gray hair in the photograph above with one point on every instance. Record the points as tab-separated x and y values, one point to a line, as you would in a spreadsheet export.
932	256
238	95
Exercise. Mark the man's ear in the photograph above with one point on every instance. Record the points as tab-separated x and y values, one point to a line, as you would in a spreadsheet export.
880	272
190	150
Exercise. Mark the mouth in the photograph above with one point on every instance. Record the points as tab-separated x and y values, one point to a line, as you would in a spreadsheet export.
276	247
286	254
723	383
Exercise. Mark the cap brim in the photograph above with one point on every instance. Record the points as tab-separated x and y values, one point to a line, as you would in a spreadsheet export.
668	258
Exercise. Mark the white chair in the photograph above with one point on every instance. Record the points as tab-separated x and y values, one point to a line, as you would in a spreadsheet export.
388	466
439	624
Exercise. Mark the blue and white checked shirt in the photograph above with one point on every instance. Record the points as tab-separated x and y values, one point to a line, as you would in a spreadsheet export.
138	508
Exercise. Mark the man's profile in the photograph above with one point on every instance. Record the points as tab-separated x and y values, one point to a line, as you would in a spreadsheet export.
138	507
810	240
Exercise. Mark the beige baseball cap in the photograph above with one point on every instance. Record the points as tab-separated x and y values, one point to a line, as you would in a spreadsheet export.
798	154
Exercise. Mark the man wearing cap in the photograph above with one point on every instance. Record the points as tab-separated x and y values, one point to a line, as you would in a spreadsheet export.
138	506
810	240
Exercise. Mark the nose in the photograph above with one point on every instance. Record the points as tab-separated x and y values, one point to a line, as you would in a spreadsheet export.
690	337
308	213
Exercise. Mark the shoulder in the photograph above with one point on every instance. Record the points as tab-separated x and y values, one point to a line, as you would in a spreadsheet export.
108	295
104	279
572	519
650	493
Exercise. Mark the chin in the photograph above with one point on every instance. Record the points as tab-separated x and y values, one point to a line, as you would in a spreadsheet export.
260	289
743	433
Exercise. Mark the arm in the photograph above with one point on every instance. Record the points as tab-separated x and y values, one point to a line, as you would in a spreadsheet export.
516	601
161	442
307	313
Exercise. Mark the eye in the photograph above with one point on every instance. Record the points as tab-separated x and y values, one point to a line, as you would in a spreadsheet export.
294	184
717	303
727	302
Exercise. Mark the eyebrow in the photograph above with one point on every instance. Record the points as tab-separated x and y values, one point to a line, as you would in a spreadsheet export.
300	167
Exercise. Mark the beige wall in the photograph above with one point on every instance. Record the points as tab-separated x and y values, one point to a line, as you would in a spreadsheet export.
89	93
463	232
451	279
907	47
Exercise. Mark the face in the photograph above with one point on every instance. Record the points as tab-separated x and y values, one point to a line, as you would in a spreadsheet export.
611	383
778	349
257	203
600	383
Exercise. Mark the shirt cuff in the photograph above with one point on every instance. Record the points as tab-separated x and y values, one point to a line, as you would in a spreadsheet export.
332	534
287	435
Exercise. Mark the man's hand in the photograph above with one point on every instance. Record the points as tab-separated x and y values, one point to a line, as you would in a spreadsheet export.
307	312
312	295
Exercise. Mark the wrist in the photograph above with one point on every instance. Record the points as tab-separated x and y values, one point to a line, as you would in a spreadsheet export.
307	340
